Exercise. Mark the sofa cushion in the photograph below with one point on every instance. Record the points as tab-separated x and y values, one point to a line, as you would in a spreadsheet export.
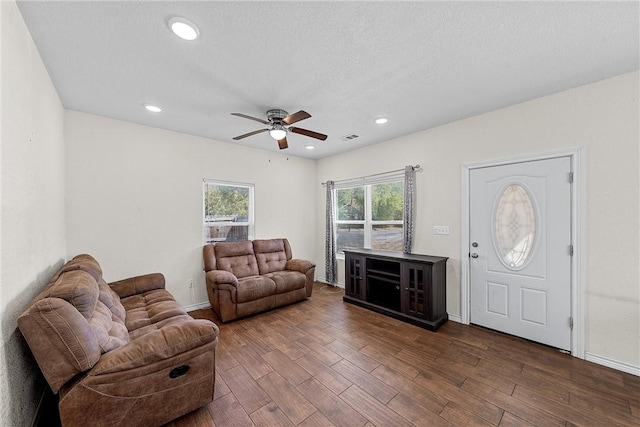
151	311
108	320
237	258
287	281
82	262
254	287
272	254
96	303
86	263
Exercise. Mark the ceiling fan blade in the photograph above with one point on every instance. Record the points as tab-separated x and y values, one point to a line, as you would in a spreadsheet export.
250	134
295	117
310	133
282	143
250	118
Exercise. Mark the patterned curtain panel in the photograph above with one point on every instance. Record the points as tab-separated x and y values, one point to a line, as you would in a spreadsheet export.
409	207
330	238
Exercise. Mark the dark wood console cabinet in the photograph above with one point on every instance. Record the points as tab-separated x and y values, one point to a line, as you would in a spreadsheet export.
408	287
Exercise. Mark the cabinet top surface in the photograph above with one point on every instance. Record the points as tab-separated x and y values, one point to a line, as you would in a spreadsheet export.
395	255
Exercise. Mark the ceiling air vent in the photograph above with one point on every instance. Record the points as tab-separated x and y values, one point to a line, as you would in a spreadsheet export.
349	137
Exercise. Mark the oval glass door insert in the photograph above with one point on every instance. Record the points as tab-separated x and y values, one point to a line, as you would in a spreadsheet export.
514	226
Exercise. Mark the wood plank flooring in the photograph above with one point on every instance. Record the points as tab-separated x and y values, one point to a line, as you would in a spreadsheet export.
323	362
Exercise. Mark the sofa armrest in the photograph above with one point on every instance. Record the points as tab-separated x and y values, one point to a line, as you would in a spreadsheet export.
158	345
138	285
221	277
301	265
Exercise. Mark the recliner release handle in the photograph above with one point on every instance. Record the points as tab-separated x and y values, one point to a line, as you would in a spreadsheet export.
179	371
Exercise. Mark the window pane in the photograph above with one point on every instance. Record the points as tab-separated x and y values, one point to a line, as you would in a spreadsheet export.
226	203
227	233
350	235
387	201
387	237
350	204
227	212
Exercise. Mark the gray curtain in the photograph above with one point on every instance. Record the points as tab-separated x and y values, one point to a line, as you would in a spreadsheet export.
409	207
330	238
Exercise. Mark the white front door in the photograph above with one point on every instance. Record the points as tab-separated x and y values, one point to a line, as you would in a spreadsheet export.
520	250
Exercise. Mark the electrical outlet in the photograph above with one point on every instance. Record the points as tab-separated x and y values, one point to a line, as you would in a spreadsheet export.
191	283
440	229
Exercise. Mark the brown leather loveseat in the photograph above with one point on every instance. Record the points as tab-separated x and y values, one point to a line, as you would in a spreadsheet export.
122	353
249	277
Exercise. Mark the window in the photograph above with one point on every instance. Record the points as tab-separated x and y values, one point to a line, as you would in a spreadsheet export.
370	215
228	211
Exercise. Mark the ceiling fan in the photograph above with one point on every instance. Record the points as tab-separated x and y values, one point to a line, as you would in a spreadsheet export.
279	122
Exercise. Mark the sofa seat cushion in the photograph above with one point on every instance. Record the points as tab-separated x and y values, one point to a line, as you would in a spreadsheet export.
145	299
151	311
254	288
287	281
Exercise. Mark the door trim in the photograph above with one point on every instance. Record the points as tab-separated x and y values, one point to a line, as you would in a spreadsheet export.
577	239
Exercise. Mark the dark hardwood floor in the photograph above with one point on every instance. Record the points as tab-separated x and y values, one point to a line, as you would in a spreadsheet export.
323	362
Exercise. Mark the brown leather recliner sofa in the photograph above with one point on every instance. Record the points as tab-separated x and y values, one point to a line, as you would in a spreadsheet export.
122	353
249	277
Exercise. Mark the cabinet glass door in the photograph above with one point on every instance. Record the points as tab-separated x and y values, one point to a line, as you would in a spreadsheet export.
416	303
354	286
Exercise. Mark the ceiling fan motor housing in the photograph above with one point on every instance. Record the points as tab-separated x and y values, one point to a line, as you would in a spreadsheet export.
276	115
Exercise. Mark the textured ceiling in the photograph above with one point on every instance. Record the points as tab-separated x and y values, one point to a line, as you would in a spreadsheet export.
421	64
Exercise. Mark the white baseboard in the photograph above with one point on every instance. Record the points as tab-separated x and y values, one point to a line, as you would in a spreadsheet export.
455	318
614	364
198	306
322	280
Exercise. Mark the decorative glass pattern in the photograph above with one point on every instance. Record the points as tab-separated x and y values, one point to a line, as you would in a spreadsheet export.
514	226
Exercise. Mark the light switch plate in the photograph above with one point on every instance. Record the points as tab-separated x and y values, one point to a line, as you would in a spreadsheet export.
440	229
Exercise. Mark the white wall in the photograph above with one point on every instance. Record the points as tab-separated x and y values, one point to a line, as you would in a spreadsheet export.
134	198
603	120
32	199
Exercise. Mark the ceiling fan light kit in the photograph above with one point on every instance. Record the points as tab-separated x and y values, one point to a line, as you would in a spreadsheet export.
278	132
280	122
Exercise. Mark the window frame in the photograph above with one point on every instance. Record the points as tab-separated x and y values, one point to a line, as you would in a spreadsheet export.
368	223
250	213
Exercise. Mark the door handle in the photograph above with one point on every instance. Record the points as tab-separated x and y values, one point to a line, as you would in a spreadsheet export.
474	255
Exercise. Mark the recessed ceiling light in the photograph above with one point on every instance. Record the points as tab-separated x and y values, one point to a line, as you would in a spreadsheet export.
152	108
309	147
184	28
382	120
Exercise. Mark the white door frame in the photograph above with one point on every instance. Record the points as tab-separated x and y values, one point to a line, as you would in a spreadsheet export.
577	240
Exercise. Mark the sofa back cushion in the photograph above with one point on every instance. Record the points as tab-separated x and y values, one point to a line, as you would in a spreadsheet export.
73	321
237	258
82	262
272	254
